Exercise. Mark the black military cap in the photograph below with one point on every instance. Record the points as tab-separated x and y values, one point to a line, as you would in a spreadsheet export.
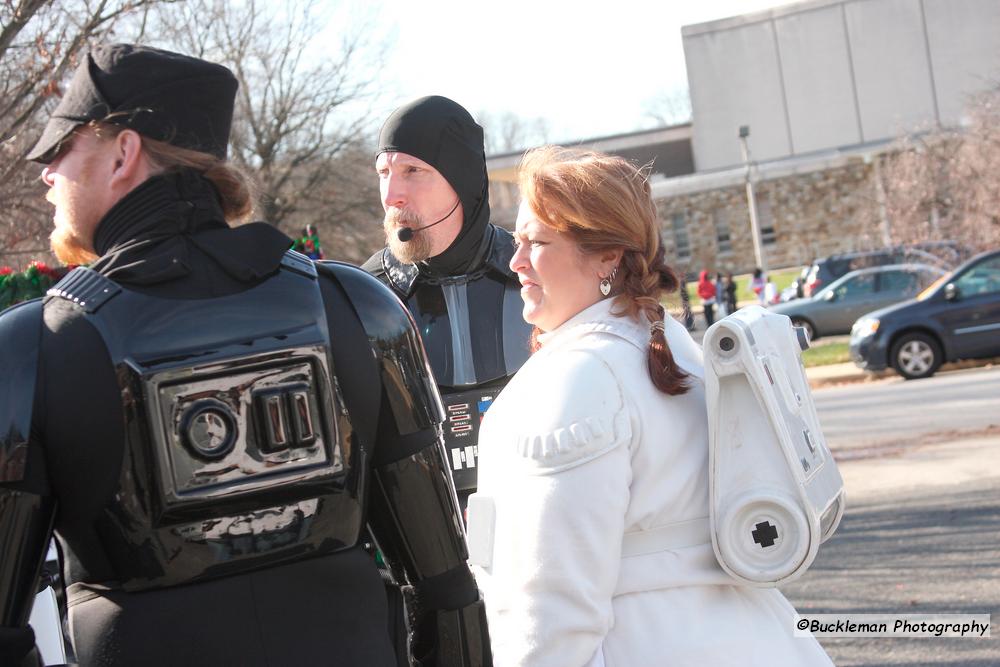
165	96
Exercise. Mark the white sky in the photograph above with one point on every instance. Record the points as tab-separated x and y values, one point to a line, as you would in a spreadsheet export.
587	68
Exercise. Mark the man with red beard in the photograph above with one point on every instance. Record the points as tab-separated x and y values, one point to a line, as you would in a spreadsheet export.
449	264
205	419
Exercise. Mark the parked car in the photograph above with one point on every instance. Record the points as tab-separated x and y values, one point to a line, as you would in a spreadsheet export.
824	271
956	318
834	308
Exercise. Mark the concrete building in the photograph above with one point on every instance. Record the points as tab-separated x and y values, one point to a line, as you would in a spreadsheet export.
825	87
667	150
825	74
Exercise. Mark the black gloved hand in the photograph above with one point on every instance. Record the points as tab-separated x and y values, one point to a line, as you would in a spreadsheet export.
16	645
447	638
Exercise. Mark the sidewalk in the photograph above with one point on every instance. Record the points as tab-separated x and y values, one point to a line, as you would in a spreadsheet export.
831	374
956	461
834	374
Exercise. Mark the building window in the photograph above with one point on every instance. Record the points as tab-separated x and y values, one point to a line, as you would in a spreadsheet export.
678	223
766	220
722	231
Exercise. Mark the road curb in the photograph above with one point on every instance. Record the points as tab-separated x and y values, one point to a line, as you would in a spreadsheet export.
827	378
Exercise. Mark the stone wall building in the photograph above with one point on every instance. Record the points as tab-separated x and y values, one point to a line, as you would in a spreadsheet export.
804	211
825	87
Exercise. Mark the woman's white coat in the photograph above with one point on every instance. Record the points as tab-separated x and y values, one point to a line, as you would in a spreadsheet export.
577	451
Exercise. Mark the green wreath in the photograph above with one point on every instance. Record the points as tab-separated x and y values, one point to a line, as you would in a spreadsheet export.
31	283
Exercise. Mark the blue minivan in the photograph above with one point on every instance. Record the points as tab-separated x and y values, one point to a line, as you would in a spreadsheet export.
958	317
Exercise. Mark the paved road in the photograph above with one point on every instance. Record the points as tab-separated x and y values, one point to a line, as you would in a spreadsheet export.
894	412
921	535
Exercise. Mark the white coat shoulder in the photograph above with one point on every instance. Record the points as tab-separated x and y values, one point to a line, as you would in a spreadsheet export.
568	408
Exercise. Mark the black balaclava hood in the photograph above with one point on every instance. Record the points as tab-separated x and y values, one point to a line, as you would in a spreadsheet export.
444	135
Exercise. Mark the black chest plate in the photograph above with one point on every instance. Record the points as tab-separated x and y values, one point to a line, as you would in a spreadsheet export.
476	339
237	450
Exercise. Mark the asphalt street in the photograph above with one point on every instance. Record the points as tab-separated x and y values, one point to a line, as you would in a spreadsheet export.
906	546
921	534
897	412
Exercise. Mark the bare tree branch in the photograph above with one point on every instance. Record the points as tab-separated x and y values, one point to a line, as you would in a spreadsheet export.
941	185
506	132
40	43
669	107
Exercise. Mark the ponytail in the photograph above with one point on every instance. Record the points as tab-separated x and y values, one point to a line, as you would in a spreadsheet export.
644	283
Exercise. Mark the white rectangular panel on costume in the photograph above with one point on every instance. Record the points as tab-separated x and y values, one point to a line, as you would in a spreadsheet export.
776	493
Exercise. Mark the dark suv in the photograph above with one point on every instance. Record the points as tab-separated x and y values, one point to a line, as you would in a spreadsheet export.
956	318
824	271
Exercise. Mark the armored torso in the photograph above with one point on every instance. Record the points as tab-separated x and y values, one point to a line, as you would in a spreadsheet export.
236	441
475	337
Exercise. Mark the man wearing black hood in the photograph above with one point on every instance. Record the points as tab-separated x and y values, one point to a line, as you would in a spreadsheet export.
206	419
449	264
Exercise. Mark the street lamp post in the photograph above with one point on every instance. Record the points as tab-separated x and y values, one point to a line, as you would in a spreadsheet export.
758	248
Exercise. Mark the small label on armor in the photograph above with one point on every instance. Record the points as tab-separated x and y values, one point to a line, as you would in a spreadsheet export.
461	431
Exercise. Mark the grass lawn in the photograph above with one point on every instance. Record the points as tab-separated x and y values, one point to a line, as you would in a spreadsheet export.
822	354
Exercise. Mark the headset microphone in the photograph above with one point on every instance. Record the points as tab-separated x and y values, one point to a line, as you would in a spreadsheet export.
406	233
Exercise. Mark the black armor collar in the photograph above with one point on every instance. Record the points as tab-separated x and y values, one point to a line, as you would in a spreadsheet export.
495	254
148	236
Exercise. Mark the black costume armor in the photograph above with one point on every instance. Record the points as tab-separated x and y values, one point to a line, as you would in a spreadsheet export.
475	338
213	421
466	301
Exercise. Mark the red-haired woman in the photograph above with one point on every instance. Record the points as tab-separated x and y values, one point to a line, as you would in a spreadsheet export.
589	534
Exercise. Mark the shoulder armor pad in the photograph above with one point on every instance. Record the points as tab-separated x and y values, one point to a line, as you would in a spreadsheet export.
406	374
380	310
578	413
397	275
20	331
373	265
299	263
501	252
86	288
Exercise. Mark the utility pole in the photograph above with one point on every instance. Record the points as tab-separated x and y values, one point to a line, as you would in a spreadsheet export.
758	248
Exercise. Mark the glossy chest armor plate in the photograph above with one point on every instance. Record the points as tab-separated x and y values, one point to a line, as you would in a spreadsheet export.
476	339
237	447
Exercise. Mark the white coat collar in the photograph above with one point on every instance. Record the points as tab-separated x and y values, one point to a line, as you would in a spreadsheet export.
597	317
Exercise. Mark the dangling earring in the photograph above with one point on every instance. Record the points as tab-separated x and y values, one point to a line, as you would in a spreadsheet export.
606	282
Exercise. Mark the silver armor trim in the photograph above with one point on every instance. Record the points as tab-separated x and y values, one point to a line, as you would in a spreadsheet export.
456	298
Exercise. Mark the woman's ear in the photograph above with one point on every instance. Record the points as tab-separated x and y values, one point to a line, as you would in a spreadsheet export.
610	260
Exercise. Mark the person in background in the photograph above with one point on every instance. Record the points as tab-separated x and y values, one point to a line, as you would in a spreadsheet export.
729	291
589	532
308	244
449	264
722	308
706	292
757	284
771	294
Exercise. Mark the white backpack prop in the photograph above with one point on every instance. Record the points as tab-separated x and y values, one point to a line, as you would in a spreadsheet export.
776	493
